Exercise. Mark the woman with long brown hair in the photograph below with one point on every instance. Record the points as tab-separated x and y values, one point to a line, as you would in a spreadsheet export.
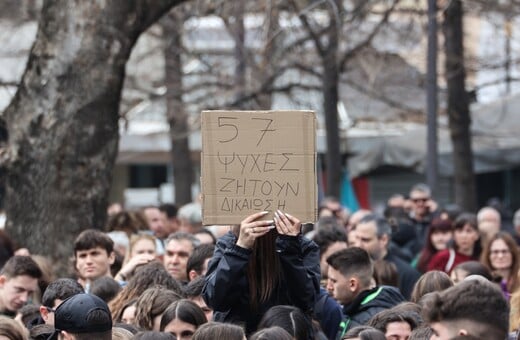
151	305
149	275
501	257
256	266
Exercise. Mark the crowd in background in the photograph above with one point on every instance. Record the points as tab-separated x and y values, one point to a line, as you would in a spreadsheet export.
416	271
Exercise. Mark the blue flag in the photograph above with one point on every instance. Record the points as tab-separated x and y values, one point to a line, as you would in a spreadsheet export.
348	196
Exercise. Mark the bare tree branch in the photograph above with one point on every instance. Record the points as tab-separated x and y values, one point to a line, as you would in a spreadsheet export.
9	83
204	84
353	51
495	82
305	21
275	89
305	68
381	97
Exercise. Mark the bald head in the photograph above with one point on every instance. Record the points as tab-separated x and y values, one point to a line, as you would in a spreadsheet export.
489	221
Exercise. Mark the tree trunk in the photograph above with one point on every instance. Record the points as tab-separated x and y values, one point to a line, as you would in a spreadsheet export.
330	108
63	121
177	117
3	140
458	108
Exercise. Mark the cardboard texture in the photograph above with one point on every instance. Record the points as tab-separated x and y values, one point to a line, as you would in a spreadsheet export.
258	160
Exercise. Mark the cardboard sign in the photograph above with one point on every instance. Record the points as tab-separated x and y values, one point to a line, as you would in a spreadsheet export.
256	161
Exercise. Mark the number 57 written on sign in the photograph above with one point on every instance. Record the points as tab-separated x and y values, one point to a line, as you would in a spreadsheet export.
232	124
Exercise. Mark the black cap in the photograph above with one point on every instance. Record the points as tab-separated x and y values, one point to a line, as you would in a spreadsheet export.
74	315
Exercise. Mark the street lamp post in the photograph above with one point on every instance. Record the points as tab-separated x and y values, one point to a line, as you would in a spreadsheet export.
431	95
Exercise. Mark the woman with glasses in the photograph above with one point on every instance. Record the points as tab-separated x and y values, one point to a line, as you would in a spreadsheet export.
500	256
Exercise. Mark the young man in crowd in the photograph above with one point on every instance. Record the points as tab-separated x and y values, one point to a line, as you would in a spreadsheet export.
93	254
350	283
197	264
55	294
395	324
330	238
18	281
473	308
83	317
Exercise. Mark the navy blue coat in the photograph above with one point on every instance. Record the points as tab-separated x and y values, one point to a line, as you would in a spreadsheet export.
226	288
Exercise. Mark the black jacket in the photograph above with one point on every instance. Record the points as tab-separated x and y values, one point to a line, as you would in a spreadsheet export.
367	304
408	275
226	288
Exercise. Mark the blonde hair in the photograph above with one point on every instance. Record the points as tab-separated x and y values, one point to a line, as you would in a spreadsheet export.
119	333
514	311
133	241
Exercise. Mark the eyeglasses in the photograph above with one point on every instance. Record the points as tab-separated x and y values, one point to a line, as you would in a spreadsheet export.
422	200
50	310
500	252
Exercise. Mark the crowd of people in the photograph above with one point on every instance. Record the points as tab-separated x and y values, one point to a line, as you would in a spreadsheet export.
415	271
